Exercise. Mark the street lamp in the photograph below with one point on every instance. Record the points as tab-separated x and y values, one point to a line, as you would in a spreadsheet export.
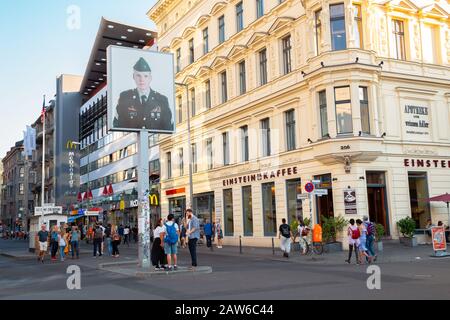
191	184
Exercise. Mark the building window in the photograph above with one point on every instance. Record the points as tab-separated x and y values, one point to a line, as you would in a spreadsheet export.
247	209
265	133
221	29
244	144
193	104
223	86
290	130
364	105
181	162
242	78
429	44
343	110
180	109
358	26
228	212
226	148
318	29
208	94
399	38
22	172
21	189
269	209
191	51
210	155
323	113
178	60
194	157
295	207
263	67
287	65
205	41
259	8
239	17
337	24
169	165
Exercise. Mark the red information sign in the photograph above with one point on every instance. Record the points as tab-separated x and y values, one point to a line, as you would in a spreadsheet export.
439	241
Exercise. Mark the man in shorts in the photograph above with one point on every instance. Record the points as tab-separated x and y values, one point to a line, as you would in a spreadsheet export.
42	238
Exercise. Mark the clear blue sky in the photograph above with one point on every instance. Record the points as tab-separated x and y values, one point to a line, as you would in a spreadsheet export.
37	46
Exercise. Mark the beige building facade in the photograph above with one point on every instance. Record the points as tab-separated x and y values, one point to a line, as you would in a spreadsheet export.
354	95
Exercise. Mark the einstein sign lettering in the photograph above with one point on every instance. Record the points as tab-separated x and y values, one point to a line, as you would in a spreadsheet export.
417	122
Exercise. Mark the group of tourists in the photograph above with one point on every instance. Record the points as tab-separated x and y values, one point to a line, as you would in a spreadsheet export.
361	237
168	236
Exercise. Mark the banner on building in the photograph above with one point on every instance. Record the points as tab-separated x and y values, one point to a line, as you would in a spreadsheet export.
350	201
29	140
141	90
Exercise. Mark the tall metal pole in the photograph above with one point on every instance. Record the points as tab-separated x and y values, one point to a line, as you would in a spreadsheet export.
43	159
144	205
191	183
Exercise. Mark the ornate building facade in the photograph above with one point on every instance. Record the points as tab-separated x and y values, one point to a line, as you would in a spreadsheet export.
353	95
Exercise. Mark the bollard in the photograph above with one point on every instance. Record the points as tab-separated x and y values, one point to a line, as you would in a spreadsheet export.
240	244
273	246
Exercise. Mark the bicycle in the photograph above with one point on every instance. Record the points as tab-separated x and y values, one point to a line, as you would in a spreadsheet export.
307	247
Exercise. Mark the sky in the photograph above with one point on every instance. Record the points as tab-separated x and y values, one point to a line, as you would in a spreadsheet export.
42	40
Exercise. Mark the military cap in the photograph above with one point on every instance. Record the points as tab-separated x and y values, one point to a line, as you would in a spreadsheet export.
142	66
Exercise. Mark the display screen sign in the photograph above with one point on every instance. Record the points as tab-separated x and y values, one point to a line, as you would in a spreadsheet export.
141	90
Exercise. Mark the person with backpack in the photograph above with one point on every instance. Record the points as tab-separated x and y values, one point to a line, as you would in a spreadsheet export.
108	239
370	236
363	242
54	242
98	239
169	237
353	241
285	236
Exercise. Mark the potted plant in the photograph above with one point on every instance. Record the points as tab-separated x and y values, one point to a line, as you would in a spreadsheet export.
407	226
294	228
330	229
380	232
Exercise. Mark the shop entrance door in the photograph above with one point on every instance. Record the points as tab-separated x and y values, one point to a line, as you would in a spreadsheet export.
377	201
418	192
177	207
324	204
204	209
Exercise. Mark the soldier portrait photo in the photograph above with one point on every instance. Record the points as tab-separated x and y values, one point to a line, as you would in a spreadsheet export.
142	107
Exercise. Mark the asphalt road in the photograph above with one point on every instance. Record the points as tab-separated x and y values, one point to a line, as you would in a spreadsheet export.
245	277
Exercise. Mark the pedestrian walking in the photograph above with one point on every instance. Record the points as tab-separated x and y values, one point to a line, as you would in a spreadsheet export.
54	242
208	233
285	236
135	232
115	242
75	237
363	252
108	240
62	241
126	235
158	255
370	237
353	234
219	234
193	233
42	239
98	239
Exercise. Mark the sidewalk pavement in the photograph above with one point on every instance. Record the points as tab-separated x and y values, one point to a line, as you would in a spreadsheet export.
393	252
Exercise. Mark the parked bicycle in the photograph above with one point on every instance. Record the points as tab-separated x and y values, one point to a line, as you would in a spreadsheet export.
307	246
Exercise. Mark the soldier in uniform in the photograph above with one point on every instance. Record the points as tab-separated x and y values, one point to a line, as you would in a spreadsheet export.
143	107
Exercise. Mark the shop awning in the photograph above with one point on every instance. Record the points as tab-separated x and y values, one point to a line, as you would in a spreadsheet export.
73	218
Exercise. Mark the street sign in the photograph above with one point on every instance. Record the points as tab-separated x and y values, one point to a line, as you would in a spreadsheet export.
321	192
309	187
39	211
316	181
302	196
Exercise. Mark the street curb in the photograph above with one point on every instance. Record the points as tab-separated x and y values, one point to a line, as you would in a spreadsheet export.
15	257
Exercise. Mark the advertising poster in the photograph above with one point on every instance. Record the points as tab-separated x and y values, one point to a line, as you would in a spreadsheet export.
439	241
350	201
141	90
